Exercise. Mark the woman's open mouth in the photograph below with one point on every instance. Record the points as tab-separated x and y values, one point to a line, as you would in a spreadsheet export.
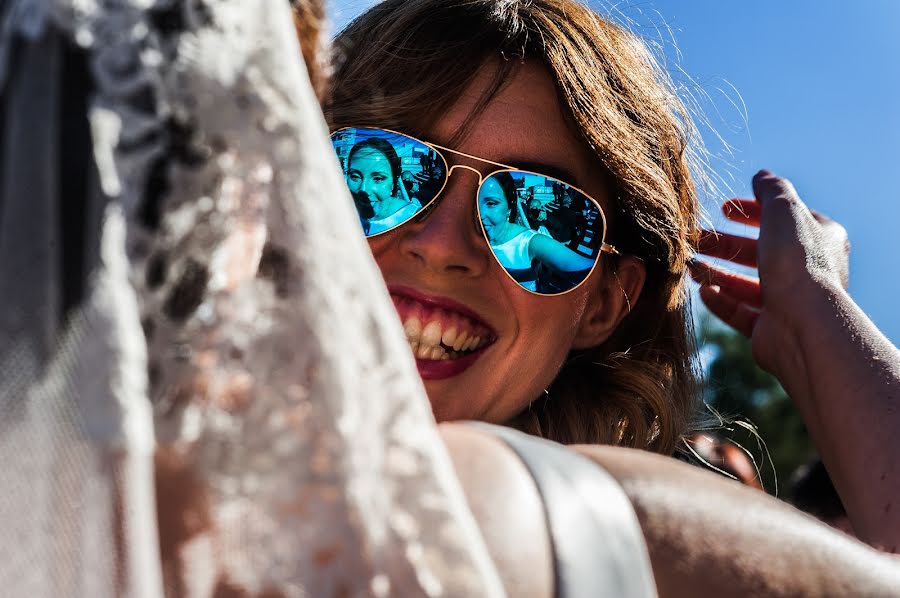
445	337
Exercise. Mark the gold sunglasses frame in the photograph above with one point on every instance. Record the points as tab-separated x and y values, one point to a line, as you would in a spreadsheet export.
604	246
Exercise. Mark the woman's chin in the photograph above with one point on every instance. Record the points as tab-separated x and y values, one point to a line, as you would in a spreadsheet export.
448	403
445	411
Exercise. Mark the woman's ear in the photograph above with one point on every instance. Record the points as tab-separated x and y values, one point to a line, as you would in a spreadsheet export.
612	298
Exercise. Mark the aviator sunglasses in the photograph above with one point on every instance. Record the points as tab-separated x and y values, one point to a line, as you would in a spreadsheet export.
546	234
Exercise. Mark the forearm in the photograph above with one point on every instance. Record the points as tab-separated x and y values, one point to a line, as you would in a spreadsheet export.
844	377
711	536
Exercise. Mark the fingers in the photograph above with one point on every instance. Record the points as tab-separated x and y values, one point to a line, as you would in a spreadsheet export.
730	310
742	288
770	189
795	243
733	248
744	211
733	298
766	187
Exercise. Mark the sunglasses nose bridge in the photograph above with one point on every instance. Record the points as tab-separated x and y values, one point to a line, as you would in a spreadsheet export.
466	167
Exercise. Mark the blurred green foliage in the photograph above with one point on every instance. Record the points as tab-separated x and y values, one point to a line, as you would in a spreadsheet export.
739	390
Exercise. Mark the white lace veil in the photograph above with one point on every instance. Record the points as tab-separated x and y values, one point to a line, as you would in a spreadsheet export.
166	175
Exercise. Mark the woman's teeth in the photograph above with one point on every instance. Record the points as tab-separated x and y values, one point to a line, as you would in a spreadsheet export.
434	342
436	333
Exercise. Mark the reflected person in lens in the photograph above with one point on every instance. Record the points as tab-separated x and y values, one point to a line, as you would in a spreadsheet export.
374	178
518	248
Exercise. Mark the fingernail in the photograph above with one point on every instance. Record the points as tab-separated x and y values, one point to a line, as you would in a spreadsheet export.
696	270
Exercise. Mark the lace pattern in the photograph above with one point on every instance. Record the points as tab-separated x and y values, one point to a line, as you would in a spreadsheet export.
295	450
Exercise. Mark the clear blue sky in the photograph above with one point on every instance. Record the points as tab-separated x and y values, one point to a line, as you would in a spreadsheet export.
808	89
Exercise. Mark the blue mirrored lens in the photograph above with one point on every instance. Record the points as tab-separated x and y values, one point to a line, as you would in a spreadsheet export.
391	176
546	234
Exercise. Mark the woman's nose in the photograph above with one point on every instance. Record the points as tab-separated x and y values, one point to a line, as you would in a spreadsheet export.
448	238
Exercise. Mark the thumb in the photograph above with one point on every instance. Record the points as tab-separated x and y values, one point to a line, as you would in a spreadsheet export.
768	189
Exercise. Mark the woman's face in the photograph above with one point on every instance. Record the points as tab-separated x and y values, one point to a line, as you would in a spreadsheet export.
370	180
449	289
494	208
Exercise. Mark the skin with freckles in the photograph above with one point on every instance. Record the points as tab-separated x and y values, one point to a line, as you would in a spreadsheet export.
446	255
765	549
548	87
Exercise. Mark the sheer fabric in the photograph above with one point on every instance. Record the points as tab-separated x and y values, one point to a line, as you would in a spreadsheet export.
166	176
204	389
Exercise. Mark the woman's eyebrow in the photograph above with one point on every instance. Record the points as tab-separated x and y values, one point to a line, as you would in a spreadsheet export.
372	172
550	170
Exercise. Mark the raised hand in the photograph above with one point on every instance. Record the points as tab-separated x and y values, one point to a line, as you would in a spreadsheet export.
841	372
799	252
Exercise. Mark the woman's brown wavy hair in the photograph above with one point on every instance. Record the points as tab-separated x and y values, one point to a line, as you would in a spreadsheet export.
403	63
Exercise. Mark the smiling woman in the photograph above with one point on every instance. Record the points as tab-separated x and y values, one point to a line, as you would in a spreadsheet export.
570	322
599	355
204	350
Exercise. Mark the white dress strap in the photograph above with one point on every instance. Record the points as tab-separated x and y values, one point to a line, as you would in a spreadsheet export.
598	546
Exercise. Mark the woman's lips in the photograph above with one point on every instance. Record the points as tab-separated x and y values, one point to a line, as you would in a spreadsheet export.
446	337
434	301
431	369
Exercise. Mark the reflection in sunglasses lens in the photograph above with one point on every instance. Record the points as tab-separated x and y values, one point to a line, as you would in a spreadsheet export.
545	234
391	177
